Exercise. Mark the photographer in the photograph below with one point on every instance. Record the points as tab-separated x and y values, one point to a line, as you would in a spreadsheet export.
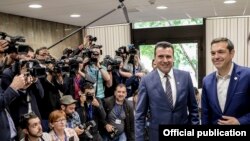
33	90
77	73
90	109
41	55
52	84
136	69
120	116
32	128
116	71
87	44
68	105
98	72
7	127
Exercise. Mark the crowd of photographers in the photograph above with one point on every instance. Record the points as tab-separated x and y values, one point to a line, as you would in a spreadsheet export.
76	97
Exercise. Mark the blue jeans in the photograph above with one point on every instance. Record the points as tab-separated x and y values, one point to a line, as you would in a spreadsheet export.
121	137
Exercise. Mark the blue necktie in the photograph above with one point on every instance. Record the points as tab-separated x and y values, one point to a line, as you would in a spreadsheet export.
90	112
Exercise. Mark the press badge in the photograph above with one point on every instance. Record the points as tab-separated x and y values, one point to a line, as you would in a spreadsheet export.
118	121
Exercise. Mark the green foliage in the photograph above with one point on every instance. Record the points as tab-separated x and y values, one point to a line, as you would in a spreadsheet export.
179	22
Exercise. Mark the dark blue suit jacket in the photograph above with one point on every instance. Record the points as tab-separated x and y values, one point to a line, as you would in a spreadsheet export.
152	97
238	97
5	99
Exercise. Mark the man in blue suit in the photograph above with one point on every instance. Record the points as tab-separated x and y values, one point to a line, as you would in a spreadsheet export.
174	103
226	92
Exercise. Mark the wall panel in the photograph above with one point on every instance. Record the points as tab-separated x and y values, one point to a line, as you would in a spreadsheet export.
111	37
234	28
40	33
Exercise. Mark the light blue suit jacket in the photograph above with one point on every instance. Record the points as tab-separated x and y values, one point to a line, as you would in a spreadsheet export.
238	97
152	97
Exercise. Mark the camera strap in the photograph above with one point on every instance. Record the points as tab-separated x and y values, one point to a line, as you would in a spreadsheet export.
90	112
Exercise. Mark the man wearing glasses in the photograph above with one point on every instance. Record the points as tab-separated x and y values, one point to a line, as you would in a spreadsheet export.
32	128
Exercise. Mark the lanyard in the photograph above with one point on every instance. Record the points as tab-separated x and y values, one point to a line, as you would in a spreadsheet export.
90	112
65	139
118	110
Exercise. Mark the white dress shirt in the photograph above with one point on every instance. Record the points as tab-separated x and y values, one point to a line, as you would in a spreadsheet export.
222	87
172	83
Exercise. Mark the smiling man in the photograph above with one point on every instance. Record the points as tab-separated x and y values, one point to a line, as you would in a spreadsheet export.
119	122
168	93
225	92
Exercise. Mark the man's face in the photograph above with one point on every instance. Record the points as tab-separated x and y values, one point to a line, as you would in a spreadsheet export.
120	94
43	54
220	55
29	56
35	127
164	59
96	53
70	109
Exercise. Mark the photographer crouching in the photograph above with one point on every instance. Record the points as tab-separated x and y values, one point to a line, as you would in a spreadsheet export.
91	113
119	122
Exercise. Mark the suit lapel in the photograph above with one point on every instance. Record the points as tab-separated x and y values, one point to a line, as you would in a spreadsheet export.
177	78
232	85
214	92
159	87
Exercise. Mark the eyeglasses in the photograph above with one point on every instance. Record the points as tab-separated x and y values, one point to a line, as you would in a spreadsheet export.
28	115
61	120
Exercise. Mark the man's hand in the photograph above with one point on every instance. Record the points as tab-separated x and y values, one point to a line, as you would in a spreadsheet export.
3	45
228	120
109	128
78	130
18	82
95	102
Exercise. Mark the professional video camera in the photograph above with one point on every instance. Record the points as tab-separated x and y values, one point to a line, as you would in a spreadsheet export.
92	38
121	50
32	66
13	43
87	126
132	52
109	61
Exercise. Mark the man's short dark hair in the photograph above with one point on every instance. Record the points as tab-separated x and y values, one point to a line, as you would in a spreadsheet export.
24	119
120	86
230	45
86	85
39	49
163	44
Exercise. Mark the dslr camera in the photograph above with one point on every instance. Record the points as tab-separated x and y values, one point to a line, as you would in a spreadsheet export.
87	126
114	133
92	38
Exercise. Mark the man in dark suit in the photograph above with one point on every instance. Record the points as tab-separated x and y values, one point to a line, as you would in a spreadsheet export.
226	92
170	99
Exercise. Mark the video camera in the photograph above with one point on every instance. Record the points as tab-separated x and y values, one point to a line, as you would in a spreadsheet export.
32	66
121	50
109	61
87	126
14	46
132	52
92	38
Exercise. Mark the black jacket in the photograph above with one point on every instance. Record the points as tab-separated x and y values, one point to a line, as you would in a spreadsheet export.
109	104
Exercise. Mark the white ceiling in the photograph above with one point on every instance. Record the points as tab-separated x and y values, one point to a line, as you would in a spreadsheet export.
138	10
